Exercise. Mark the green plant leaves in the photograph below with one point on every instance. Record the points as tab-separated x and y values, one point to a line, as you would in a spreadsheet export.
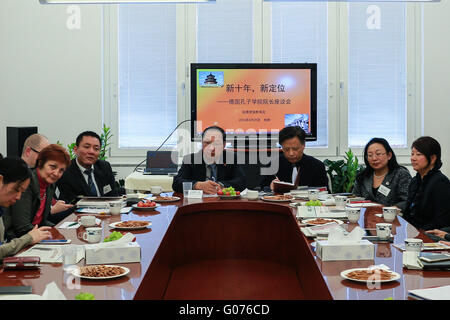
343	172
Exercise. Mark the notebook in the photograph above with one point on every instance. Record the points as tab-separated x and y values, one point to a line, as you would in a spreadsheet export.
160	162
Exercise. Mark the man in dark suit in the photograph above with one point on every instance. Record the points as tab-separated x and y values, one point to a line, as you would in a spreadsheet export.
211	169
294	166
87	175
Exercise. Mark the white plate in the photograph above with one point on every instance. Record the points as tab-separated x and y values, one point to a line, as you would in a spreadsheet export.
135	207
113	225
274	200
229	197
371	280
76	273
172	200
306	221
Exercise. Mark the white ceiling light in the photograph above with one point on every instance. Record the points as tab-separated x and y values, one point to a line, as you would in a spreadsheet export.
119	1
353	0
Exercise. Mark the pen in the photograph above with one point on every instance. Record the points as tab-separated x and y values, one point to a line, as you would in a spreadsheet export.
72	224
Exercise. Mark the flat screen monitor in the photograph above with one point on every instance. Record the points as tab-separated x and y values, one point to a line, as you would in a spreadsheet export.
254	100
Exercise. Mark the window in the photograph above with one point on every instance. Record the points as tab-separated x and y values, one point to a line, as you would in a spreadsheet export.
304	42
377	73
147	75
367	56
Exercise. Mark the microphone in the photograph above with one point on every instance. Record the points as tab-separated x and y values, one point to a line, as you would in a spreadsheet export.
164	141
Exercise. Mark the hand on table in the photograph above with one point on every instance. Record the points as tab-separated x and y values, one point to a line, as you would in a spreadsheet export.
60	206
39	234
437	232
208	187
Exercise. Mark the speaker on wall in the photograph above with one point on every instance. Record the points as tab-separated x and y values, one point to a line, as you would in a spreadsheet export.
15	139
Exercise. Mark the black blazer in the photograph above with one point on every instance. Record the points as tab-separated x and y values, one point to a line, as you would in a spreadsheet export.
73	184
428	205
312	172
193	170
19	217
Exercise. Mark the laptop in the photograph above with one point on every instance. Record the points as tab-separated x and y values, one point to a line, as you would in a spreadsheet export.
160	162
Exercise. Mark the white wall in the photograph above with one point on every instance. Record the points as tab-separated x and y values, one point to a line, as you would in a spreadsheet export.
51	77
436	74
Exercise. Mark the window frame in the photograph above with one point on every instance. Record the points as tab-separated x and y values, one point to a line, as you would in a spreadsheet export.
337	75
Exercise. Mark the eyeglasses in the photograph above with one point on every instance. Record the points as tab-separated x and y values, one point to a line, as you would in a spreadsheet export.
35	150
376	155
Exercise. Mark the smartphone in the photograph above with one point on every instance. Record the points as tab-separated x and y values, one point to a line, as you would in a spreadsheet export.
435	257
55	241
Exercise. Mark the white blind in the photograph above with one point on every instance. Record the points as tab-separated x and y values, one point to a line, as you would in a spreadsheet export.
147	75
300	34
225	32
377	73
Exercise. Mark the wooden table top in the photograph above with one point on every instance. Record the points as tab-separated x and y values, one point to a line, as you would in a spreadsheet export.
125	288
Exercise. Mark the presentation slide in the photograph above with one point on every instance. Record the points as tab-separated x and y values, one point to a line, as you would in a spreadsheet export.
263	100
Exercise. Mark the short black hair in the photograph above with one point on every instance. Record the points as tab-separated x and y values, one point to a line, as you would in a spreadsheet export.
14	169
215	128
429	146
291	132
87	134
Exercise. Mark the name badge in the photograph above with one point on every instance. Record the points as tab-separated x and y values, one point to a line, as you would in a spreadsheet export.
195	194
106	189
384	190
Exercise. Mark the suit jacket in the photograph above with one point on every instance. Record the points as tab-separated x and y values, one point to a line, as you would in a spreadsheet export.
428	205
312	172
397	181
73	184
193	170
18	218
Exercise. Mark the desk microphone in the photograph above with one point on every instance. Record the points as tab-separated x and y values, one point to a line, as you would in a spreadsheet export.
164	141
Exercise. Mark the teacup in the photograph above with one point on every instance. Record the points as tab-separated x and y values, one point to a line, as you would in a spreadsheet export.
93	235
413	244
156	190
340	201
252	194
87	221
389	213
383	230
313	194
353	214
115	207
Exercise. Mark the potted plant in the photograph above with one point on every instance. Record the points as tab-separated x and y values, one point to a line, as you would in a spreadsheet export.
343	172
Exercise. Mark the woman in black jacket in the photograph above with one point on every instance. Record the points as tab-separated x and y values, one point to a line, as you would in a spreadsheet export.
428	205
33	208
383	180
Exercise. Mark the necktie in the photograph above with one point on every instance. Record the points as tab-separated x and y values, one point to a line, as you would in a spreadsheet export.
213	168
91	185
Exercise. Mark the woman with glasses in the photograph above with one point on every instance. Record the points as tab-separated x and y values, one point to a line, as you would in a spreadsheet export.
34	207
428	205
383	180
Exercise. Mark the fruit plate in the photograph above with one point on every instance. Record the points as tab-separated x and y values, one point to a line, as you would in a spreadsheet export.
135	207
225	197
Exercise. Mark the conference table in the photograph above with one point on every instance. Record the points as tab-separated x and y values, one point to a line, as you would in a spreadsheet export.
179	236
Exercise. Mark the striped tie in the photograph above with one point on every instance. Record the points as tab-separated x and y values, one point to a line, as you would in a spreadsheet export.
92	190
